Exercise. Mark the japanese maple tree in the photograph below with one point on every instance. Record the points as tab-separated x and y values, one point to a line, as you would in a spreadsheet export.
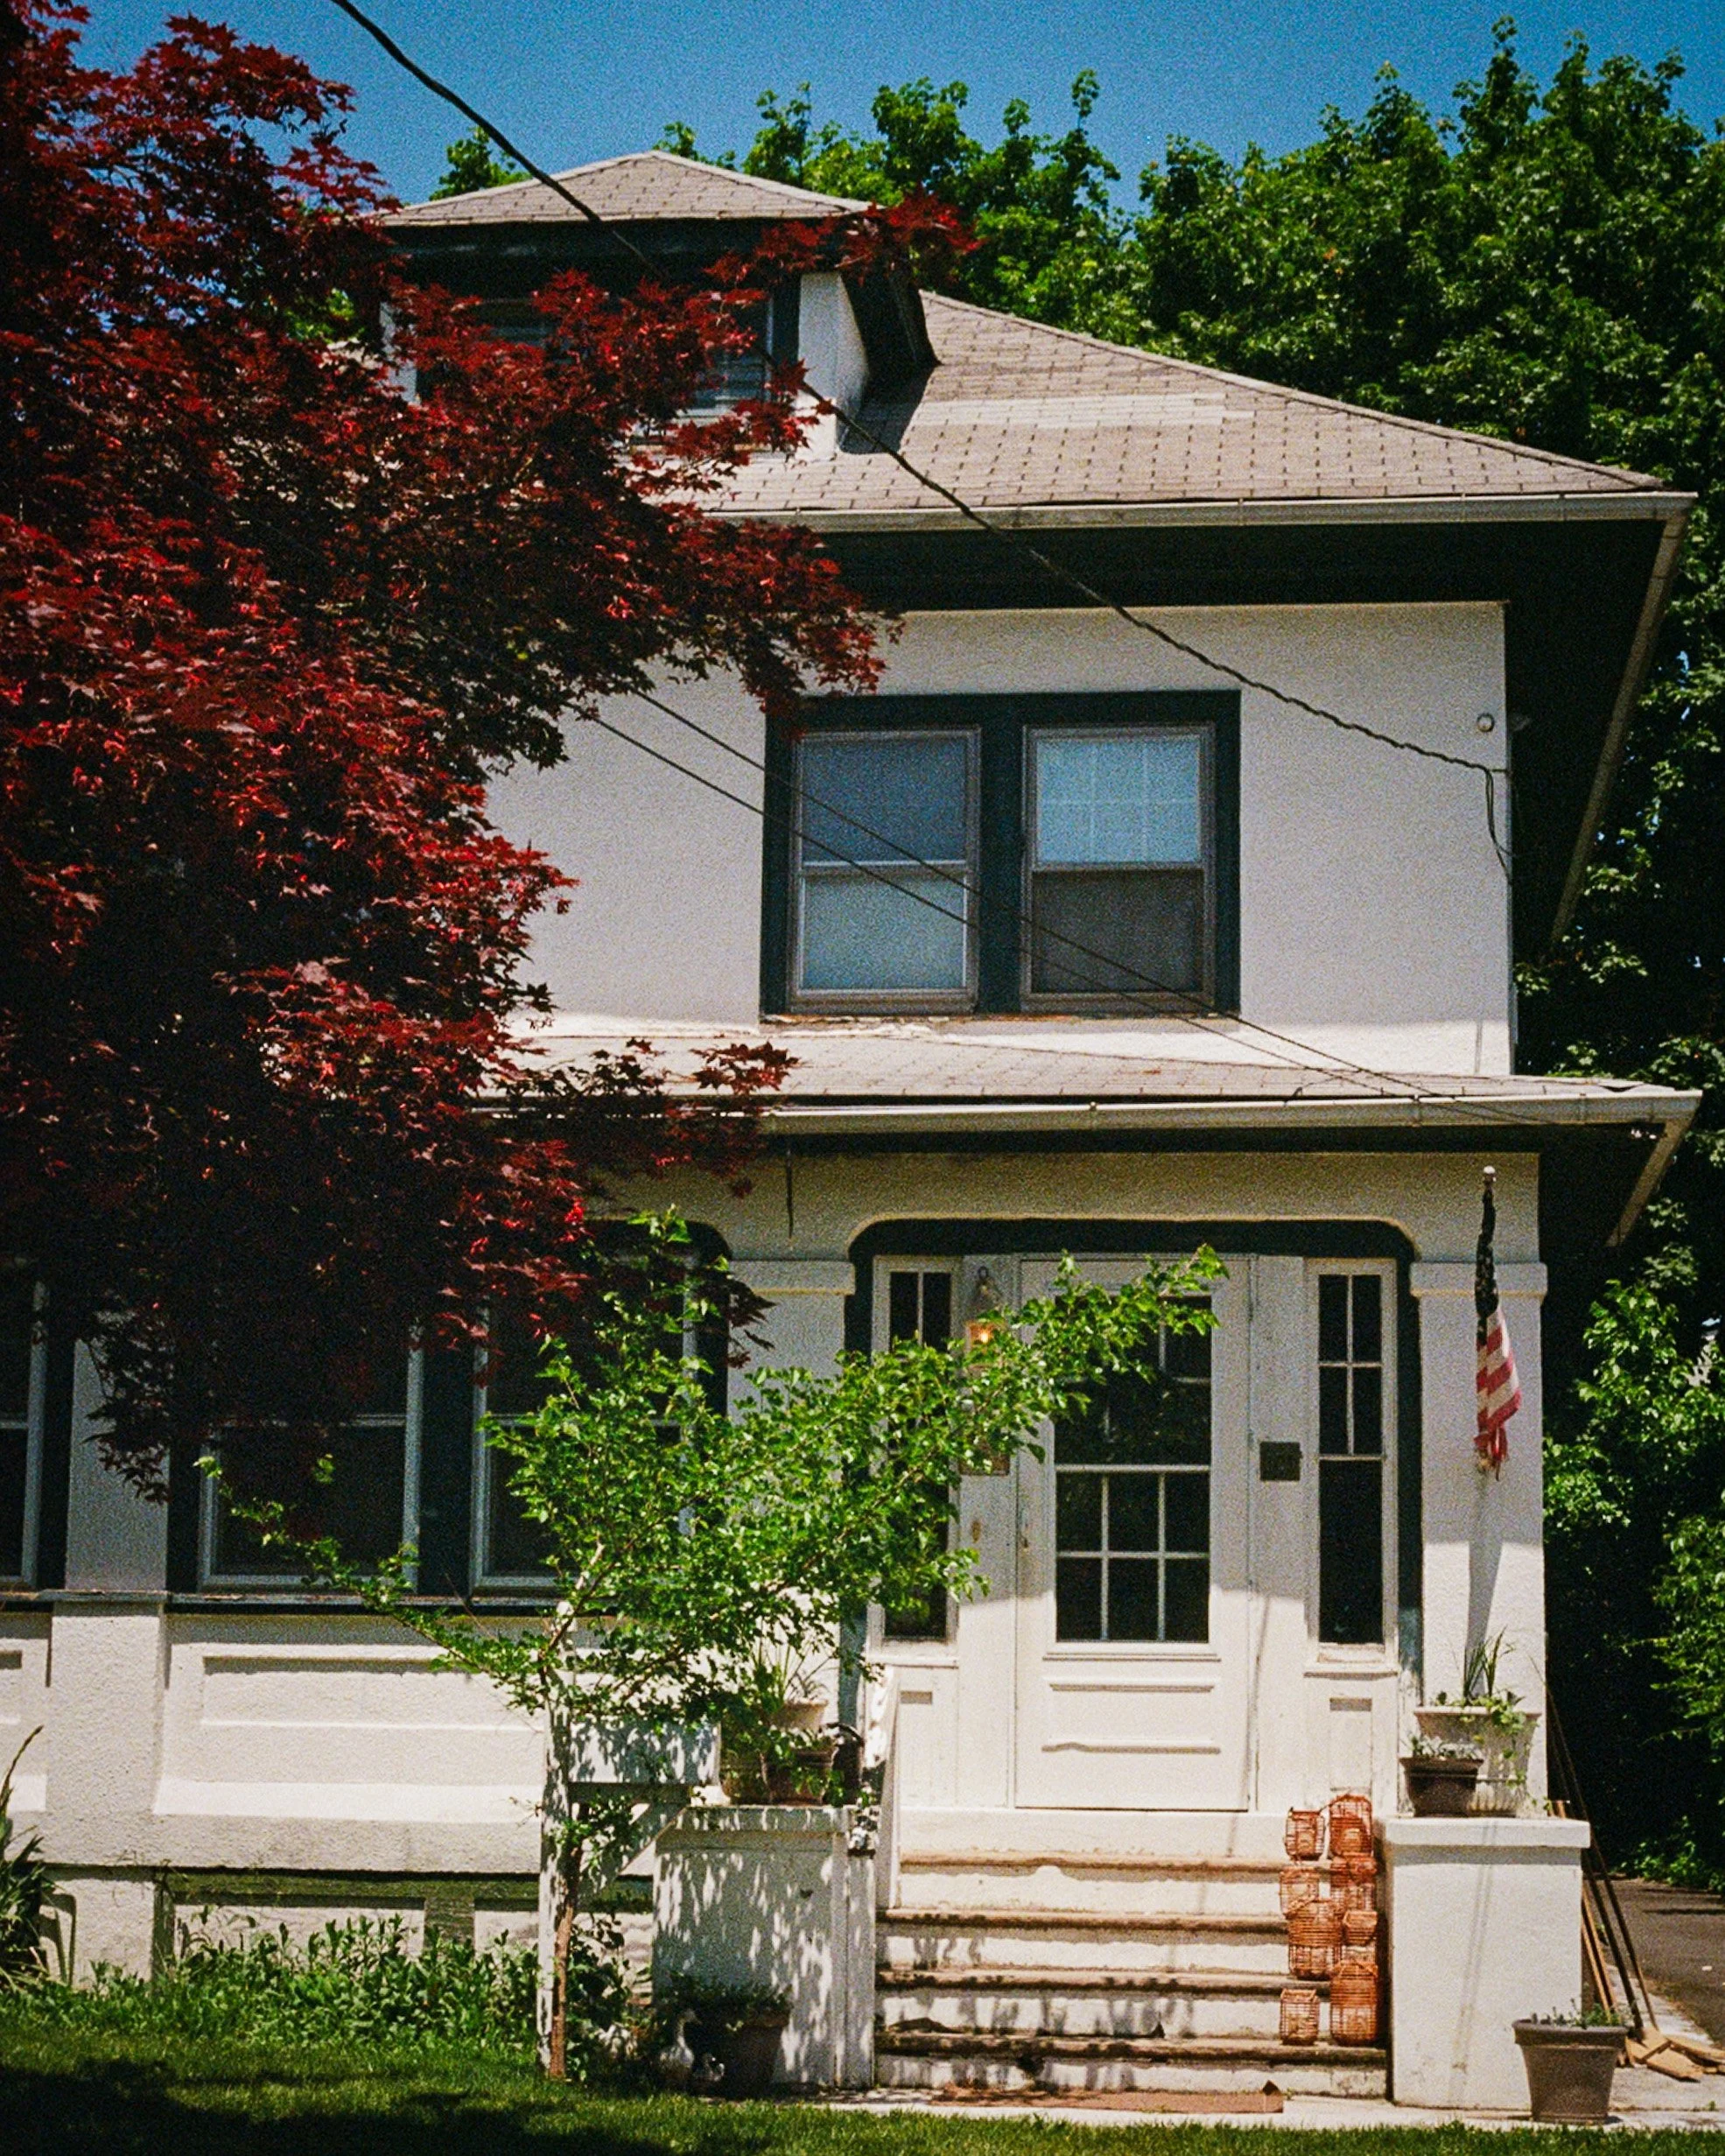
266	621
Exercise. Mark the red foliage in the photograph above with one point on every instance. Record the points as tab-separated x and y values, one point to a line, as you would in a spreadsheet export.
264	624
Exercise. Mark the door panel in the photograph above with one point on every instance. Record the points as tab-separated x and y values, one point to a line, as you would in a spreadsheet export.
1132	1677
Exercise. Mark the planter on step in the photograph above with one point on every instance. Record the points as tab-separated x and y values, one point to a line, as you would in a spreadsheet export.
1502	1771
1569	2071
1441	1788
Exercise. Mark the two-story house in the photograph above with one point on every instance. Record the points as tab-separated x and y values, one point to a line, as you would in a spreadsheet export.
1113	924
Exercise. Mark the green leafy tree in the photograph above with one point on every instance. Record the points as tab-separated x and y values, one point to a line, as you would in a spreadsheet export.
687	1548
471	165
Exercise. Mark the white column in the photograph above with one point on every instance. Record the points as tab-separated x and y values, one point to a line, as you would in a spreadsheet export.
1484	1546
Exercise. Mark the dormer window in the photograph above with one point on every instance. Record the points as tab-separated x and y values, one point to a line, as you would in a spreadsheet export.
1006	853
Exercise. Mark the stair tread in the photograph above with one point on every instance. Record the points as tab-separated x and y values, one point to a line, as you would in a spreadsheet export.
1092	1860
986	1976
1237	1923
894	2036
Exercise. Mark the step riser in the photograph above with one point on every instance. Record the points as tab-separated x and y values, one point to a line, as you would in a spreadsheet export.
1055	1951
1053	2012
1120	1893
893	2071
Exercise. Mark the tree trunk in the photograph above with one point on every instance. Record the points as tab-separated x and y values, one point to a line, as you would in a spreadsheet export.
569	1889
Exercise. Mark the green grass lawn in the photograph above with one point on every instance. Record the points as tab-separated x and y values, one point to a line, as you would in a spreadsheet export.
78	2093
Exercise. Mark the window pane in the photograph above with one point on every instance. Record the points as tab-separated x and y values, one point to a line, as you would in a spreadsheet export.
1131	1598
902	1312
1126	797
515	1546
1188	1593
1078	1599
1117	932
863	935
1368	1317
17	1322
1187	1354
1132	1512
936	1309
1332	1409
1350	1552
14	1452
1187	1512
1078	1512
1368	1410
1332	1317
360	1506
911	788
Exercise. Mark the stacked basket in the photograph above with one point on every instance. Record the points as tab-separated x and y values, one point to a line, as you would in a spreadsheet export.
1332	1936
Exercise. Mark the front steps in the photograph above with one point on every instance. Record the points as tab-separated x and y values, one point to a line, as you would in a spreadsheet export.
1094	1969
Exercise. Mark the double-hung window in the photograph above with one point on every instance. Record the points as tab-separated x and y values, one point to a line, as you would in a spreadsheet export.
886	869
22	1368
1011	852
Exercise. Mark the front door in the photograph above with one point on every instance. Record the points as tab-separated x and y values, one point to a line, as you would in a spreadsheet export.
1132	1634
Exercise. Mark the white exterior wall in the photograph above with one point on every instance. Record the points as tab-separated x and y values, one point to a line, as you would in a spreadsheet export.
1374	913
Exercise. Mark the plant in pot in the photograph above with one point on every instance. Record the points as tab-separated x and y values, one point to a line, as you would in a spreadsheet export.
1570	2059
732	2035
1441	1778
775	1746
1487	1718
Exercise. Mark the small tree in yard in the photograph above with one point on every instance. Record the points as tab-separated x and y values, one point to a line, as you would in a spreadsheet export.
686	1548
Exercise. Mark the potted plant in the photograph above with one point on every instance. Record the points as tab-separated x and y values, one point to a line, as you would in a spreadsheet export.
775	1747
733	2036
1441	1778
1570	2059
1488	1720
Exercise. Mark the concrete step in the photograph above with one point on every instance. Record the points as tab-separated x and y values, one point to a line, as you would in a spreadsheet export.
1094	1880
1083	2003
1082	1939
928	2057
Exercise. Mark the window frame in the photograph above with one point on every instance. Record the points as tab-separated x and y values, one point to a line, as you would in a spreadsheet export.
1114	1000
34	1427
886	1000
1000	893
412	1421
1383	1649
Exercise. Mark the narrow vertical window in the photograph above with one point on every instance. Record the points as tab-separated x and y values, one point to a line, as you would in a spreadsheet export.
511	1550
1351	1458
885	865
1119	898
1131	1504
919	1307
21	1351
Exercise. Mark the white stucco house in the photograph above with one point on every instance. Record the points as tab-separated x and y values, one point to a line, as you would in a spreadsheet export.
1080	943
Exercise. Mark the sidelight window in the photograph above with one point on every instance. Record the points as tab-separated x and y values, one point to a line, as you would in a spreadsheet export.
1131	1504
1351	1423
919	1307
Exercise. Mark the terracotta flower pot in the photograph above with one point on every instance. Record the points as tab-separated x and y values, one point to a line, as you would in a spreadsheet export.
1569	2071
1441	1788
744	2048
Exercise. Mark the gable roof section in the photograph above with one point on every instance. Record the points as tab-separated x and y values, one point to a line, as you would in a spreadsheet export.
1020	416
652	186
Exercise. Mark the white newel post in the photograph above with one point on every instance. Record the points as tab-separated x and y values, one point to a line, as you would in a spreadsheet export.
1485	1929
778	1898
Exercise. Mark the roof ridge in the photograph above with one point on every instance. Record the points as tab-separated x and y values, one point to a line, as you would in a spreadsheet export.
1632	482
658	157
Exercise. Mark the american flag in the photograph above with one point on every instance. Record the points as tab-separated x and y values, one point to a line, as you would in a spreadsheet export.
1498	1389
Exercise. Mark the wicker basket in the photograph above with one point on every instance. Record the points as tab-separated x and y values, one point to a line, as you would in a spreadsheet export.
1348	1956
1314	1933
1359	1927
1353	1884
1299	1884
1353	2005
1351	1826
1304	1836
1300	2015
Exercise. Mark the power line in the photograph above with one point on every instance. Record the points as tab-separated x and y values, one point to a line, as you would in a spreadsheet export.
1008	536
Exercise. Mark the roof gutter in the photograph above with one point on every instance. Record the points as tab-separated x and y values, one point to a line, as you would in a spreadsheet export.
1617	732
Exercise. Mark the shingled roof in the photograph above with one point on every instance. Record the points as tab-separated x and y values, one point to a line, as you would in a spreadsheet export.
652	186
1018	416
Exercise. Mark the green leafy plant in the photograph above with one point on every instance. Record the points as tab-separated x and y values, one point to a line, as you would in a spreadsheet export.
1502	1710
1432	1750
24	1887
1590	2016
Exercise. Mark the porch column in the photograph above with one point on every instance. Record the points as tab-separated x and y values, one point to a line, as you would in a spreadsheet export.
805	1327
1484	1552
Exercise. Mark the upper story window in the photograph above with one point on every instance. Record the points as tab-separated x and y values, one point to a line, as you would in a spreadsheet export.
1006	853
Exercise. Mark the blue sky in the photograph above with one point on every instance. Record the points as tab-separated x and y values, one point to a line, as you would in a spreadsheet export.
579	79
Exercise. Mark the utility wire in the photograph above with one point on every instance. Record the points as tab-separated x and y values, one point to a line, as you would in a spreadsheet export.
1006	534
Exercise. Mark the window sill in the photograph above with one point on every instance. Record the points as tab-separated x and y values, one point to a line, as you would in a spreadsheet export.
1133	1651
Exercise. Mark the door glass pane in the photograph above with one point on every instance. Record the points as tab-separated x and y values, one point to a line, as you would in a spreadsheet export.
870	936
1117	931
1123	797
1134	1512
1350	1552
1187	1611
910	789
1078	1599
1188	1501
1132	1610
